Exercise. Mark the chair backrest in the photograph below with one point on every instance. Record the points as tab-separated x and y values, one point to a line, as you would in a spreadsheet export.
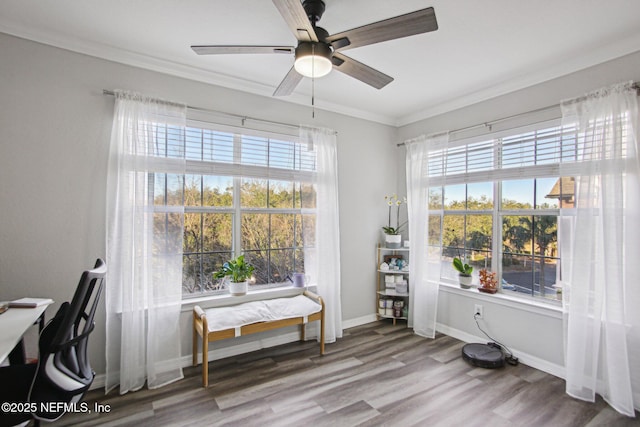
64	372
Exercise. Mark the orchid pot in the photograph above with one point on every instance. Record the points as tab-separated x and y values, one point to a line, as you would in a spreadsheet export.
393	241
464	270
465	280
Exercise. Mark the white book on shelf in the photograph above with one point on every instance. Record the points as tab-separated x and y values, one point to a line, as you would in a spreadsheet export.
30	302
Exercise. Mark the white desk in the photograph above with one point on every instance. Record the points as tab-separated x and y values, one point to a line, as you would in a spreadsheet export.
13	324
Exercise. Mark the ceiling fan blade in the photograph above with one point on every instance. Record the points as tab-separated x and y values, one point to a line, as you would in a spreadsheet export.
296	18
359	71
289	83
418	22
227	49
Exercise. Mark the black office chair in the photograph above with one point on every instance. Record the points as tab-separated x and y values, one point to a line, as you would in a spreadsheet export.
63	373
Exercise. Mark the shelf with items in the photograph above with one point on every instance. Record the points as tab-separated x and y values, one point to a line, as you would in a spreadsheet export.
393	307
392	292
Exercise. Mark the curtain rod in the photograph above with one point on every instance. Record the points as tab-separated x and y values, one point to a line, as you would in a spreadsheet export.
237	116
636	86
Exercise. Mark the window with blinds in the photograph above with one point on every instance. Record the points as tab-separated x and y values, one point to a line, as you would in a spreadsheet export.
243	192
525	154
495	201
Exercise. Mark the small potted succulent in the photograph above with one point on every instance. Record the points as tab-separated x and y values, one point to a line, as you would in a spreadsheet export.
239	272
488	282
464	271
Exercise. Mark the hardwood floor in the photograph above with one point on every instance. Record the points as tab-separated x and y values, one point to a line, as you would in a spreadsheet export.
377	374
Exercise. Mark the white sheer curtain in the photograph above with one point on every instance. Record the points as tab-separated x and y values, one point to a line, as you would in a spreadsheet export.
144	244
601	249
424	263
322	263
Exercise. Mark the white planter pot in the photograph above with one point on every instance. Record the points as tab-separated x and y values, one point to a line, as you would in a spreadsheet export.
393	240
465	281
238	288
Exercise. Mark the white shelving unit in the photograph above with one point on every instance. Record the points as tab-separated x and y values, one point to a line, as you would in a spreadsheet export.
384	293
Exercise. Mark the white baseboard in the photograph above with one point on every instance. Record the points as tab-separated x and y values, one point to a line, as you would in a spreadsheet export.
525	358
98	382
221	353
358	321
235	350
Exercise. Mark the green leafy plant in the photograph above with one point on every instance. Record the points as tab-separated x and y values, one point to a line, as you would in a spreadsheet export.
393	230
238	270
464	269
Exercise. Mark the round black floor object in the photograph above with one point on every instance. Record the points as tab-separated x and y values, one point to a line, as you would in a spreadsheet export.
483	355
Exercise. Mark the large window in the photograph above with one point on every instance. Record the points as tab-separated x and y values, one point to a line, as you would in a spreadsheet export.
244	192
496	203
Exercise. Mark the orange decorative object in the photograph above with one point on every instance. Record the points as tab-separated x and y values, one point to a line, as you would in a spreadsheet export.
488	282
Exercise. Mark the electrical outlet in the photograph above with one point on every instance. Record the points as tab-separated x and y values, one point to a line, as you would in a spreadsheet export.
477	312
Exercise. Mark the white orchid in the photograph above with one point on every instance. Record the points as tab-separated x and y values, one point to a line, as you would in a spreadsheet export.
394	200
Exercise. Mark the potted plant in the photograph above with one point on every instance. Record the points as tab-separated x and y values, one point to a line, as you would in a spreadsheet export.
238	271
393	238
465	272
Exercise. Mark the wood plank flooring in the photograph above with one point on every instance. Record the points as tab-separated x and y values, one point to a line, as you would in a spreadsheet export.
376	375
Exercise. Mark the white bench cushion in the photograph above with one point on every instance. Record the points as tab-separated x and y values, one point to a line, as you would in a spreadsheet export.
236	316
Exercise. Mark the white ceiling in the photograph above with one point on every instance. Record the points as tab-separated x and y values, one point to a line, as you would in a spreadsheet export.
482	48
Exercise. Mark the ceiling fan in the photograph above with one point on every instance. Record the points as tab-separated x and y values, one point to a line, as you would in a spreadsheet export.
318	52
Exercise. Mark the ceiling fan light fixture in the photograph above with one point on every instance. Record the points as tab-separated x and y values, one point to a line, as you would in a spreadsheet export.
313	59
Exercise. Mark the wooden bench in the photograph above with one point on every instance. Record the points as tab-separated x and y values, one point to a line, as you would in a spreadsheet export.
219	323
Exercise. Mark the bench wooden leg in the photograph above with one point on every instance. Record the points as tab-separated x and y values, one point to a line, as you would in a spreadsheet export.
302	328
205	359
322	333
194	353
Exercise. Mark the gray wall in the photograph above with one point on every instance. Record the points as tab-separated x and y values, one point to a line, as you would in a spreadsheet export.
55	126
535	333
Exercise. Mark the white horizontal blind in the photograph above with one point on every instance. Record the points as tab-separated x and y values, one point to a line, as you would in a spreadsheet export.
519	155
209	146
540	147
231	152
167	141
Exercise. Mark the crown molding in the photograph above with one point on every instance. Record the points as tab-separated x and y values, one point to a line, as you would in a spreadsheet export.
164	66
587	59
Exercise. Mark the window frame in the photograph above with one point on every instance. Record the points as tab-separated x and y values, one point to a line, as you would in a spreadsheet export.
299	174
496	178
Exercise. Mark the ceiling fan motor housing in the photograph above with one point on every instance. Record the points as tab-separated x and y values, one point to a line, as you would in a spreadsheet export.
313	48
314	9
